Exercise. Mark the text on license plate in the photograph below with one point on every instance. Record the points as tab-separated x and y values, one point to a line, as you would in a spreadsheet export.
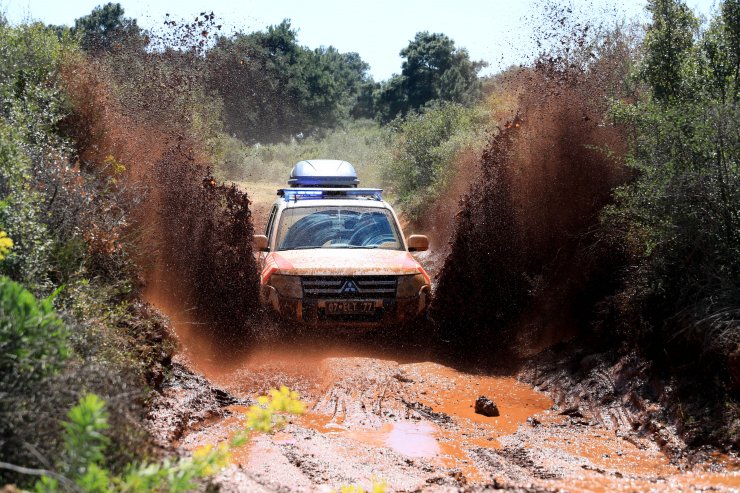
350	307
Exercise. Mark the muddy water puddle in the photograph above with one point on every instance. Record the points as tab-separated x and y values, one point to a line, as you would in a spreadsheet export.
416	411
439	422
410	421
414	425
411	439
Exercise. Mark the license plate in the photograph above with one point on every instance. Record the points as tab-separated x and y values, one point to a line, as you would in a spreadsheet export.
349	307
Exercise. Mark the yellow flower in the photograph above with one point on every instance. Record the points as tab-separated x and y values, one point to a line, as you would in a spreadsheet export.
285	400
115	166
352	488
259	419
377	487
6	243
202	452
210	460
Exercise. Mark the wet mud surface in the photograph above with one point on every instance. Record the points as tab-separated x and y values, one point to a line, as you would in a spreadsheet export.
382	412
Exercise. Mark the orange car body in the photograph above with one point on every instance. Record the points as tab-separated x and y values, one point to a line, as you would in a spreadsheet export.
337	282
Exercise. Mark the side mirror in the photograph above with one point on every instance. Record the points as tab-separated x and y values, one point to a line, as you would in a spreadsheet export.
259	244
418	243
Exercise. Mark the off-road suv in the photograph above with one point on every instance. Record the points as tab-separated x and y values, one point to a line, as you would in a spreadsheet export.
333	253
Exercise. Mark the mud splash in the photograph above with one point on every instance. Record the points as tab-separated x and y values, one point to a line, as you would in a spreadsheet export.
192	235
204	233
525	236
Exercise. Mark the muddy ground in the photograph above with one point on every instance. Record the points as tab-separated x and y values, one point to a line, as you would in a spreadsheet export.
377	412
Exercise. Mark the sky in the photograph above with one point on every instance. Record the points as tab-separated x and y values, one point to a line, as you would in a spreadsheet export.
500	32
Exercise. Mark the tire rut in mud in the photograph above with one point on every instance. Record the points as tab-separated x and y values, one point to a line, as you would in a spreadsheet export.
185	401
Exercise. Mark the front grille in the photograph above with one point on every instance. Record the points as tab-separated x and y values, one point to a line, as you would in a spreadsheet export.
340	287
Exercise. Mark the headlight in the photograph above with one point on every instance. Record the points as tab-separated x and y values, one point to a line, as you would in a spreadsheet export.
287	286
409	286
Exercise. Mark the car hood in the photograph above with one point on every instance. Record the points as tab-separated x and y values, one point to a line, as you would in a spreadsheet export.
344	262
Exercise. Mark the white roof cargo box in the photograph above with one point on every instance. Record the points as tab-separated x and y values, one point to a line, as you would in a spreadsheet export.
331	173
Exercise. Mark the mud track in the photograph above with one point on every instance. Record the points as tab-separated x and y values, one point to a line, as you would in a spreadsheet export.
396	407
380	411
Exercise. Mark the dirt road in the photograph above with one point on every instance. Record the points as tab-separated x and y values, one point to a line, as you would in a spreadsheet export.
394	409
394	414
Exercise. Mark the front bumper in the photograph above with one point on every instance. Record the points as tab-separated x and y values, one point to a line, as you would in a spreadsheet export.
310	311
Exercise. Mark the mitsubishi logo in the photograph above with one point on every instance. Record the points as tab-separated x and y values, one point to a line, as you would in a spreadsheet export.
350	288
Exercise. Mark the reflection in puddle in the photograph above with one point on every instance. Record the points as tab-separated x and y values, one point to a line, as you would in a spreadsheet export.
412	439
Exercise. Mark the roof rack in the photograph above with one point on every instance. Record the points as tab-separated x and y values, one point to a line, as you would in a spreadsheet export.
296	194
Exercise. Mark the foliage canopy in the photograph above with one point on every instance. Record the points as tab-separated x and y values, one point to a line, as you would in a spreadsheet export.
433	70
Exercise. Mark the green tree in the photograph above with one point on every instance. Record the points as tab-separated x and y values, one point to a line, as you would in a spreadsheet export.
434	69
106	29
391	98
681	215
274	89
668	45
720	47
353	81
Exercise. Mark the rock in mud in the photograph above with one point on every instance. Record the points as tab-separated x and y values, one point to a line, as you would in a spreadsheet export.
572	411
486	407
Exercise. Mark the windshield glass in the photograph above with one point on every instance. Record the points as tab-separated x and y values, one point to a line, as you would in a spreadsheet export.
337	227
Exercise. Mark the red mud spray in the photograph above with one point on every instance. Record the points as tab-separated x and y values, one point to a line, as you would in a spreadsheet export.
192	235
526	268
524	261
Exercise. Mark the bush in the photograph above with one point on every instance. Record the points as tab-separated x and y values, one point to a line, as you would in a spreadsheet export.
681	216
83	467
33	339
424	152
20	215
679	220
34	348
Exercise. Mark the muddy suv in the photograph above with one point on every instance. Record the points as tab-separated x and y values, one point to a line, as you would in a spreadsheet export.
333	253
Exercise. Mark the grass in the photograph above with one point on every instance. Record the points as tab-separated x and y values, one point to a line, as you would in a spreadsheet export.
364	144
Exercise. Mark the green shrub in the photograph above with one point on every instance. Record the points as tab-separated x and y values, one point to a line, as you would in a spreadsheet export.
20	215
681	216
33	350
33	339
425	148
32	150
83	468
83	434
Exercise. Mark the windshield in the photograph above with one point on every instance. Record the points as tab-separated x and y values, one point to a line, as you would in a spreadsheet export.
337	227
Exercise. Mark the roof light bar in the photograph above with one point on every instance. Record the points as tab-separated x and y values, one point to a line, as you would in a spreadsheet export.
294	194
